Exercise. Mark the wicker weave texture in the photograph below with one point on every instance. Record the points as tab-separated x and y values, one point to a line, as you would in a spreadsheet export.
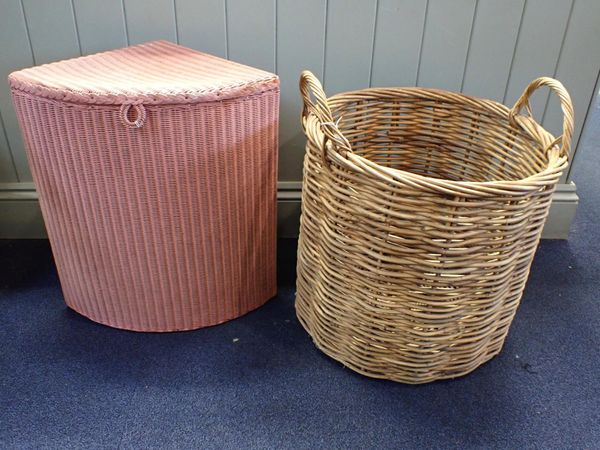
421	213
153	73
163	227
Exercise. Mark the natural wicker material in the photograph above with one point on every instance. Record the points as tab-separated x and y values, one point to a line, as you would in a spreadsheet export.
156	169
421	213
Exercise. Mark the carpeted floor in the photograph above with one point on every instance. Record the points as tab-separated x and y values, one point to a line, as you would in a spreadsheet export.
259	382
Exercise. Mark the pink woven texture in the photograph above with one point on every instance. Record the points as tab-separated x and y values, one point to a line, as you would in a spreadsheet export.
153	73
167	226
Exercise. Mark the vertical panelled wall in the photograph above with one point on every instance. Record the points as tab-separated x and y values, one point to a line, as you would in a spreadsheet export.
489	48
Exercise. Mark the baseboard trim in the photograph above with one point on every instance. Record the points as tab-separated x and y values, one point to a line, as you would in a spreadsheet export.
562	212
21	218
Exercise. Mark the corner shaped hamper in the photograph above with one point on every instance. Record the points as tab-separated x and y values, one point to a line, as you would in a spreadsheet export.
421	213
156	168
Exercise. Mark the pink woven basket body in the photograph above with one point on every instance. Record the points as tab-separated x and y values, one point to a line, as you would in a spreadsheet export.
156	168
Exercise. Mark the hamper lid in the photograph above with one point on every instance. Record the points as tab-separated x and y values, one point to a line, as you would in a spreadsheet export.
153	73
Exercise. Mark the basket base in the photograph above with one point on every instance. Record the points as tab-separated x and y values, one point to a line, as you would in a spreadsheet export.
200	323
424	379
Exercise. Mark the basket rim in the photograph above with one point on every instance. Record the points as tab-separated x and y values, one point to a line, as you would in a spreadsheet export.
425	90
556	164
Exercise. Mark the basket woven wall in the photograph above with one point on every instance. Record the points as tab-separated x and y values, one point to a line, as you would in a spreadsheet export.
421	213
156	167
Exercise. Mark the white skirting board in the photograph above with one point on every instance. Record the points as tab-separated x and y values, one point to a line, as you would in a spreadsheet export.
20	216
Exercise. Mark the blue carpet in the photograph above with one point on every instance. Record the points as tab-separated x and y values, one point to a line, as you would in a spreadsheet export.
259	382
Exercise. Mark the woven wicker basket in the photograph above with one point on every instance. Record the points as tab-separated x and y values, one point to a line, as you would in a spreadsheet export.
421	213
156	167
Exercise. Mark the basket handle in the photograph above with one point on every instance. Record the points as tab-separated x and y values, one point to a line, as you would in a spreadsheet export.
565	103
310	85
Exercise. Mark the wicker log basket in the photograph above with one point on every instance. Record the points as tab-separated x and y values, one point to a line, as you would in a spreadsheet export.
421	213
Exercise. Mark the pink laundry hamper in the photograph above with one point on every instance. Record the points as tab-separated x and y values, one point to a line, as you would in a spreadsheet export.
156	167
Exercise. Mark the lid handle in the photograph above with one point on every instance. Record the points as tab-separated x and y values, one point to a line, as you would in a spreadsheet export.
138	119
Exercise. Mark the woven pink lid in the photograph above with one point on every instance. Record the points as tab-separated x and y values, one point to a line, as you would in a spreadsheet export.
153	73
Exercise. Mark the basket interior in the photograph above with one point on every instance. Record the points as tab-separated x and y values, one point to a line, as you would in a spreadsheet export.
454	139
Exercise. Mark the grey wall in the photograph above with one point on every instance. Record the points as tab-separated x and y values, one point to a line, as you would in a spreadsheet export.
489	48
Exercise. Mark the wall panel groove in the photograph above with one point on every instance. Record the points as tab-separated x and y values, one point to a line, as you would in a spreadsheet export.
251	33
15	52
562	45
100	30
445	43
489	58
462	81
8	169
400	22
373	42
296	51
52	30
323	65
424	30
348	44
176	21
201	25
537	49
225	9
149	20
514	51
27	30
76	27
125	22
